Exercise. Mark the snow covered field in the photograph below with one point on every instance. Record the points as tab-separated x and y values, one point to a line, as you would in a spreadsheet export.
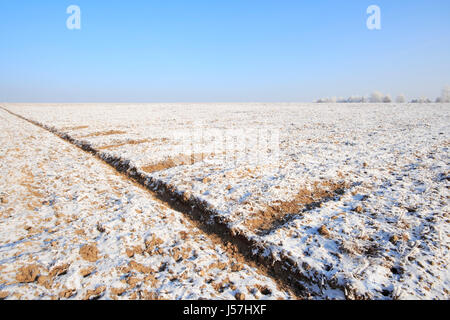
350	199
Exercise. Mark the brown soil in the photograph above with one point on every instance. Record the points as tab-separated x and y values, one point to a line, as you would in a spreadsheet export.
89	253
3	295
74	128
146	295
28	274
104	133
324	231
118	291
152	242
133	142
179	160
59	270
240	296
140	267
236	267
305	199
87	271
95	294
80	232
131	252
66	294
45	281
179	253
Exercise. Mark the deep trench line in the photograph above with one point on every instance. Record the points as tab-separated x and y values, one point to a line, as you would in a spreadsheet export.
198	216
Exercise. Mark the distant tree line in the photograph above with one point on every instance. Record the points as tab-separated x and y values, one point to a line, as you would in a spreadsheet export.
378	97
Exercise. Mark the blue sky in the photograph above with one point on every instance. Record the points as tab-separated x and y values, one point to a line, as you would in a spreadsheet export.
246	50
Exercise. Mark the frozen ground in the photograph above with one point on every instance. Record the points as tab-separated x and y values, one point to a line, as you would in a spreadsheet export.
352	198
71	227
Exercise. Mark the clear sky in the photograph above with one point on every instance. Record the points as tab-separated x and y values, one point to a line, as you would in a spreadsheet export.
217	50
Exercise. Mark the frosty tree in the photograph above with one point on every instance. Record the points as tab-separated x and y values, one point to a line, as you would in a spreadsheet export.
401	99
421	100
387	99
376	96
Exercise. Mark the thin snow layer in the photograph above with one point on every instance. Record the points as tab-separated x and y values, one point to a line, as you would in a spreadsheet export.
385	234
82	231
